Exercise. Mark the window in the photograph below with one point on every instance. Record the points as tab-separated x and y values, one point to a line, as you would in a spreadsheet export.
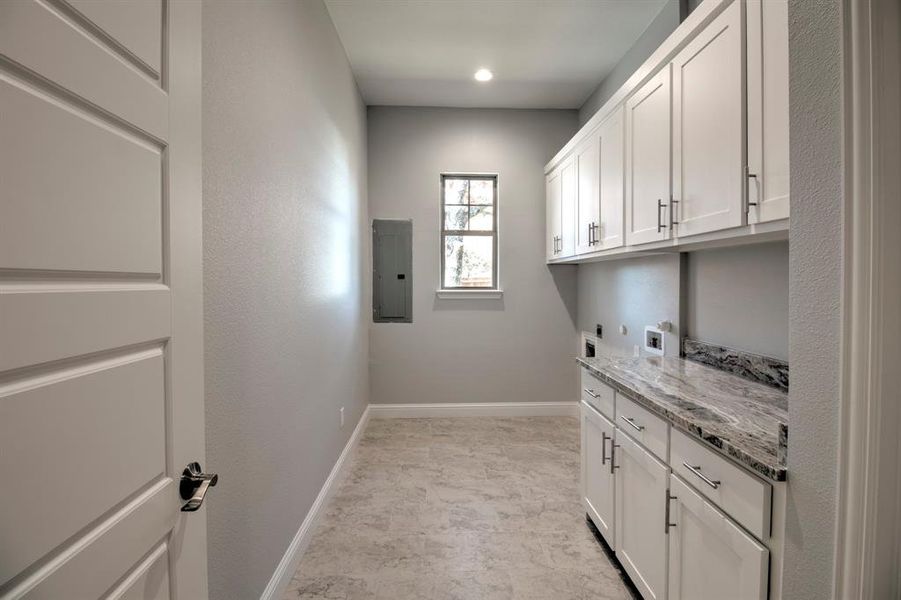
469	232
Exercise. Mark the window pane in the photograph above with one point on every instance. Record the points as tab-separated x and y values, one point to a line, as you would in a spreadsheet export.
456	218
481	191
481	218
456	191
468	261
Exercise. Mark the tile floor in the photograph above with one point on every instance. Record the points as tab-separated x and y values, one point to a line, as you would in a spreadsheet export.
468	508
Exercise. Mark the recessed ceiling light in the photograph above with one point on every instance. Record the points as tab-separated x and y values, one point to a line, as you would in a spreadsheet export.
484	75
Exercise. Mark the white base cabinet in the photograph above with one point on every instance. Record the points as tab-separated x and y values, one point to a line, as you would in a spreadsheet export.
641	484
597	472
710	557
674	540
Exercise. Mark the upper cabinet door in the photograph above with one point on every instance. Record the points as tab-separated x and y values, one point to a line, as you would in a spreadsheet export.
552	198
708	140
588	167
710	557
768	162
648	160
609	233
568	191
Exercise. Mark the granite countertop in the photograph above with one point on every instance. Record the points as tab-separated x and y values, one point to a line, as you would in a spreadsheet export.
745	420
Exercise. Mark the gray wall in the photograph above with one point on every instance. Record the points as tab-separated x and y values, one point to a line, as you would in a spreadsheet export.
519	348
658	30
815	261
738	297
285	274
633	292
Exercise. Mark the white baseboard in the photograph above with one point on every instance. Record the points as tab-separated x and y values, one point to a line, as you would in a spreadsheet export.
277	585
488	409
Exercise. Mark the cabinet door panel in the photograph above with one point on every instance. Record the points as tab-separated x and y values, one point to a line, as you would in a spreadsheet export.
641	486
552	198
568	192
588	168
710	557
767	34
610	229
708	140
597	477
648	160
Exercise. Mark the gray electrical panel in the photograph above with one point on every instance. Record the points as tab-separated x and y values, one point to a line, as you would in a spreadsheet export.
392	271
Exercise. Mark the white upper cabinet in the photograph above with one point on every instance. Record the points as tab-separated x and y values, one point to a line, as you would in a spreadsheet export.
609	233
554	215
710	557
648	160
588	165
768	163
708	140
597	471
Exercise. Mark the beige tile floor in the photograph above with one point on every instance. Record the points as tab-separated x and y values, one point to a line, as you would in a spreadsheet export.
468	508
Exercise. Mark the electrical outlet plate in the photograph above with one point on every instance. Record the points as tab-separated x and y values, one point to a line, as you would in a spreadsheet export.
653	341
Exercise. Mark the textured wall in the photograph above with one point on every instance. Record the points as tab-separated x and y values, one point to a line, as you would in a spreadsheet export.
285	272
658	30
815	53
738	297
633	292
519	348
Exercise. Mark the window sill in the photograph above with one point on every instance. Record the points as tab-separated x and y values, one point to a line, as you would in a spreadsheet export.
469	294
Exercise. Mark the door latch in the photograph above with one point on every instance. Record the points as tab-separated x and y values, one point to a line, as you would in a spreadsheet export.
194	485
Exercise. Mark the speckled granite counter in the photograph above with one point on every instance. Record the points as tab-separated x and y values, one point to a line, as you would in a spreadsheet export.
745	420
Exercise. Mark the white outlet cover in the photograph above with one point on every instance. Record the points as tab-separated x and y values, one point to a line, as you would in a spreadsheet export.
650	334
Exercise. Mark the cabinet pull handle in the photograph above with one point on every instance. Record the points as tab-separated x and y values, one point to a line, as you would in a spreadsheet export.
613	448
660	226
597	229
604	438
672	211
666	523
697	472
591	393
631	422
756	189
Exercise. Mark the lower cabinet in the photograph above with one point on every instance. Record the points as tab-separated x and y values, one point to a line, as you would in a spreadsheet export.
710	557
597	471
641	488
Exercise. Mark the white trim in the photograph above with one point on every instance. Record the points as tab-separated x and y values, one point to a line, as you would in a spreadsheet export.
869	509
469	294
487	409
277	585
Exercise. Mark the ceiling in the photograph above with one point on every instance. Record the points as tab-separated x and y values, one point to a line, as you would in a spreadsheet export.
544	53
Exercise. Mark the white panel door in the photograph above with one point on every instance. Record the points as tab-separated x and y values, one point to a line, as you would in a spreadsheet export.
101	357
641	486
710	557
768	162
588	167
648	161
568	191
609	233
708	134
597	471
554	216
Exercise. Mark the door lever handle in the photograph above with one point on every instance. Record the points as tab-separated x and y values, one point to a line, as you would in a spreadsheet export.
194	485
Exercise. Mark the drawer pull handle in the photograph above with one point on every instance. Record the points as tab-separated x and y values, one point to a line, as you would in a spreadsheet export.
591	393
631	422
701	476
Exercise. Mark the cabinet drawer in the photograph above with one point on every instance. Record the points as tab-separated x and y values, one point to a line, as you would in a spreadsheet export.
742	495
597	394
643	426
